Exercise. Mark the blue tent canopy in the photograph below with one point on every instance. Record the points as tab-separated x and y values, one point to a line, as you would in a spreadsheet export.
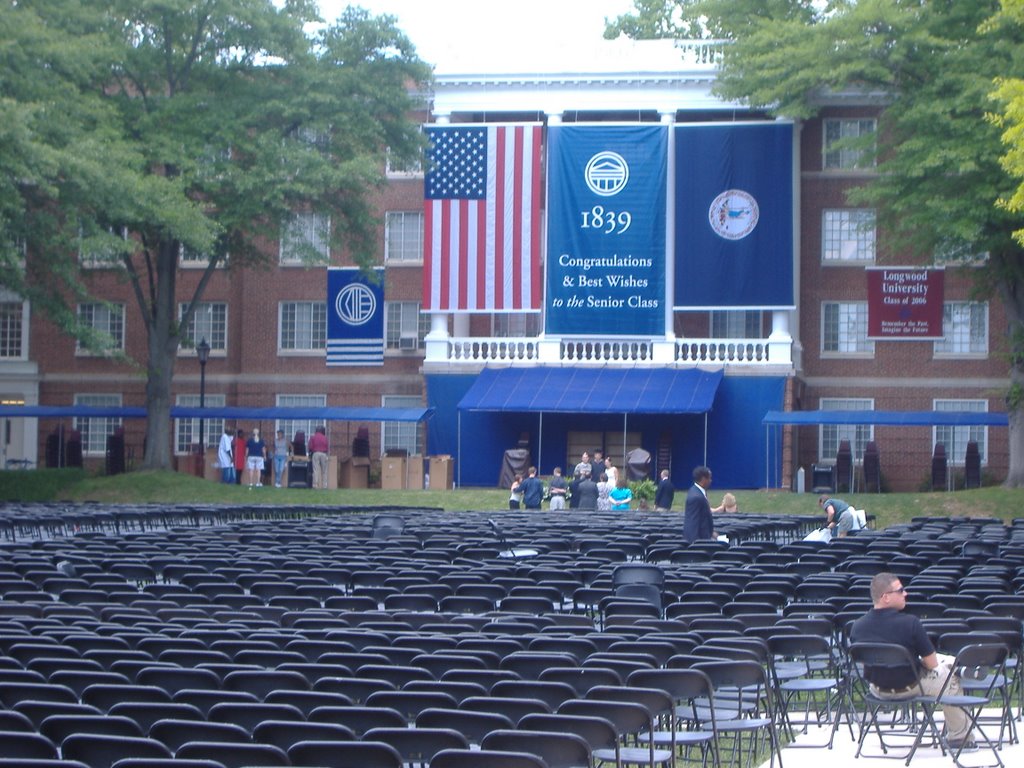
593	390
889	418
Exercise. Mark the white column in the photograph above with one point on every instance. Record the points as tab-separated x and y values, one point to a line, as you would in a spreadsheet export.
780	342
436	340
664	350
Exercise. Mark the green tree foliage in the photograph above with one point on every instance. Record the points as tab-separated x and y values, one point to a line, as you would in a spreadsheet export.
930	67
188	124
1010	95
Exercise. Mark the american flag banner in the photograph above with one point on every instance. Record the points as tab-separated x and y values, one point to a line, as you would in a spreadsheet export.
481	240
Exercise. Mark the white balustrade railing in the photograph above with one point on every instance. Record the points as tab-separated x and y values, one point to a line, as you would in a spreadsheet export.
632	352
722	351
487	350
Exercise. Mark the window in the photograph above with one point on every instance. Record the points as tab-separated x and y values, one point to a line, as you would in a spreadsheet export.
305	239
106	321
186	431
842	150
209	322
964	329
405	325
396	169
859	435
736	324
847	234
402	435
303	326
291	426
516	325
956	438
845	328
192	259
403	236
96	430
102	249
13	325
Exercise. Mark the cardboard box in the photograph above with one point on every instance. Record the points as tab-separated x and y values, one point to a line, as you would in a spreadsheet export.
414	472
393	473
355	472
442	473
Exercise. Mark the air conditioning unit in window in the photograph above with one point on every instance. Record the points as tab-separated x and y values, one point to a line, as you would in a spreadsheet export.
408	343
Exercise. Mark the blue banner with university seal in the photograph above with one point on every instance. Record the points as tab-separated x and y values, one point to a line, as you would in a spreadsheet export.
355	317
605	270
734	216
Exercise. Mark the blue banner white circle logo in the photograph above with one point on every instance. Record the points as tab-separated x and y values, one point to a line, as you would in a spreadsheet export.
733	214
355	304
606	174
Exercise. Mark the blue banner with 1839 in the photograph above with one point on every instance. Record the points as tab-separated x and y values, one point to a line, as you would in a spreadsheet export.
606	230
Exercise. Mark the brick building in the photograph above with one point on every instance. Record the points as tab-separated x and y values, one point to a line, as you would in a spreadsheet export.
267	328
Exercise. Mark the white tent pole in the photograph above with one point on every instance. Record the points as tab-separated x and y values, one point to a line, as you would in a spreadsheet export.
540	440
458	443
705	438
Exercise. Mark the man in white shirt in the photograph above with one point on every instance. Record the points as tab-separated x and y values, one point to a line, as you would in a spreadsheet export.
224	458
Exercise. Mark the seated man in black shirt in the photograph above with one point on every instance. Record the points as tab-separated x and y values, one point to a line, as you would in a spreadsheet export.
887	623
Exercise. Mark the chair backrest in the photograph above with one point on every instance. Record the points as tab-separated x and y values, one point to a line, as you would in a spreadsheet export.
883	661
638	573
345	754
479	758
100	751
175	733
473	725
558	749
233	755
418	745
286	733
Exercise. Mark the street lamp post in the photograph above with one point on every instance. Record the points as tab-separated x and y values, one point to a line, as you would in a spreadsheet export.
203	353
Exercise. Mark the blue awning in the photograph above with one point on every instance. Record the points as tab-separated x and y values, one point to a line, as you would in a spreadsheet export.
890	418
593	390
322	413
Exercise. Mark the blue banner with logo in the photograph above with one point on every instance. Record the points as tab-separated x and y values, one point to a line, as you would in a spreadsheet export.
355	317
734	216
606	230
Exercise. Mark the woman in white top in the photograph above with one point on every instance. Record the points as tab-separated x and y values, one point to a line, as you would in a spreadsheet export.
611	471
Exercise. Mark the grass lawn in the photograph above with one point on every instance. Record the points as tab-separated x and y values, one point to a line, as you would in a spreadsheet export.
173	487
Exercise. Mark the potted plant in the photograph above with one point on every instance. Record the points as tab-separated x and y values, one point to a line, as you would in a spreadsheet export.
643	491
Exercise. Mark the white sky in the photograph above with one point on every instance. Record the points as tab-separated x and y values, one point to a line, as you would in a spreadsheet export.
493	31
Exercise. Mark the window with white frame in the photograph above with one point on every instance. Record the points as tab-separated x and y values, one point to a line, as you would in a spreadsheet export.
402	435
403	236
955	438
303	326
96	429
210	322
847	234
405	325
736	324
307	426
859	435
186	431
103	249
189	258
844	328
13	330
964	329
106	320
305	239
397	169
516	325
841	146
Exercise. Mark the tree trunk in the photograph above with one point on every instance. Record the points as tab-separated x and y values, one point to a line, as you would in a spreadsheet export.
1015	409
163	340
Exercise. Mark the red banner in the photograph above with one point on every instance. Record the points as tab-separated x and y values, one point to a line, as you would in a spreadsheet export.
905	303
